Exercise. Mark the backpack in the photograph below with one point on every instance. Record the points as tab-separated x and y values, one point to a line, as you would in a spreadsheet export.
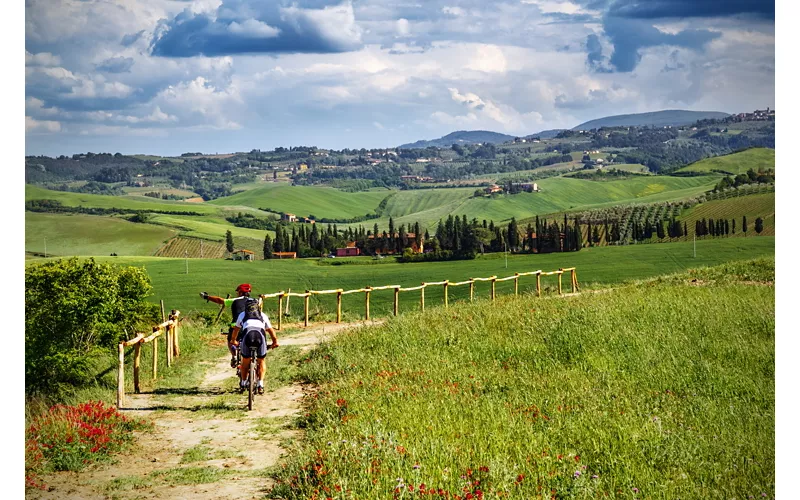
251	310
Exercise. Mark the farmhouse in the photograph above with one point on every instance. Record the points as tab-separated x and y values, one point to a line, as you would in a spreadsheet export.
243	255
289	217
284	255
348	252
494	188
529	187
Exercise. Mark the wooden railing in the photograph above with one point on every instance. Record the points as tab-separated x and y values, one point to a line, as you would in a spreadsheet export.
168	329
367	291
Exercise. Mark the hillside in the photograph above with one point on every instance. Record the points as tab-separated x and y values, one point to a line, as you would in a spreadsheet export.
546	134
673	117
461	137
736	163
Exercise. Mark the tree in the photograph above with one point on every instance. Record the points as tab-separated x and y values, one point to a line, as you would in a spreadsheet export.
267	247
229	241
76	312
660	230
278	246
733	226
759	225
744	224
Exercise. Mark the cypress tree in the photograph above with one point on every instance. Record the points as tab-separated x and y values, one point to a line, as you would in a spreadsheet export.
744	224
759	225
229	241
267	247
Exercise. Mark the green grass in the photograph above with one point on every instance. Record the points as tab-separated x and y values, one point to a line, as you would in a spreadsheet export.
77	234
597	266
655	390
192	475
736	163
101	201
303	200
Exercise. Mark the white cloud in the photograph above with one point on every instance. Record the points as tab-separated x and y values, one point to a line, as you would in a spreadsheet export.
253	28
453	11
378	125
402	27
489	59
41	59
199	100
41	126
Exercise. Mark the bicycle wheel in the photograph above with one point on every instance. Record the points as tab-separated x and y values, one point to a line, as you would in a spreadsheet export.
251	387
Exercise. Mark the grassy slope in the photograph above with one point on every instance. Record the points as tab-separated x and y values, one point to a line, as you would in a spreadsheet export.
100	201
736	163
598	266
304	201
77	234
658	391
752	206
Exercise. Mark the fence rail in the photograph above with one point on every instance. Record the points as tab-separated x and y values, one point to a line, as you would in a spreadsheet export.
167	329
421	288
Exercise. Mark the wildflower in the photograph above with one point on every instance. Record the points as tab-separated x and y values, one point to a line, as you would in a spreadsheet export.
636	490
577	473
763	494
483	468
594	476
416	466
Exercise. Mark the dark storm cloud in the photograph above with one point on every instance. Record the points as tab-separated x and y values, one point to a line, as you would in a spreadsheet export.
630	35
656	9
240	28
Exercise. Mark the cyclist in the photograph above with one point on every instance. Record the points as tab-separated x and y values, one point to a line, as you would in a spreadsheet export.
237	307
249	331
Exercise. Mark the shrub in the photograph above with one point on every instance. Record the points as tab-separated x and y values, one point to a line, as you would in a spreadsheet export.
71	437
74	310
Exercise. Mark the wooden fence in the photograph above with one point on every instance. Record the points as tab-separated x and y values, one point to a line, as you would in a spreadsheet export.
167	328
367	291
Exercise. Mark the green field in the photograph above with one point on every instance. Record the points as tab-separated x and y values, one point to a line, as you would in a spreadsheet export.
736	163
598	266
77	234
322	202
128	202
663	390
751	206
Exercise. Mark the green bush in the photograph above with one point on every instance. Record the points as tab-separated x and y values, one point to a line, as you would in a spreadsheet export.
75	310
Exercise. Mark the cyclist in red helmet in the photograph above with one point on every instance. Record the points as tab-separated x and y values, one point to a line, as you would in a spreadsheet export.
237	307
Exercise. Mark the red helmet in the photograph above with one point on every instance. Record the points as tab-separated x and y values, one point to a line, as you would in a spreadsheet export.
244	288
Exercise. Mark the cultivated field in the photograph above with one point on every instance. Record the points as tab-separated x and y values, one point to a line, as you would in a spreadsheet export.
736	163
751	206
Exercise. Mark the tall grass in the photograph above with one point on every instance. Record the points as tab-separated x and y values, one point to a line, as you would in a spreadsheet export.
659	390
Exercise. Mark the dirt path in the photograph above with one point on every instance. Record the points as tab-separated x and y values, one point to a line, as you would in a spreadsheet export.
205	445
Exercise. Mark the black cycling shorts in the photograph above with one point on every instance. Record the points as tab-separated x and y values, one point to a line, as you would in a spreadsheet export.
253	338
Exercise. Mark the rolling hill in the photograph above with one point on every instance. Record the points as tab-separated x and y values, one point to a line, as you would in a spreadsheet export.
673	117
461	137
736	163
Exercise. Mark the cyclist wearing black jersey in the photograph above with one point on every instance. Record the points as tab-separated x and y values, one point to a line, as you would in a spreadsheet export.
237	307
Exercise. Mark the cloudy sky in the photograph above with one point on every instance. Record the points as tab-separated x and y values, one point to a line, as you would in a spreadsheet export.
168	76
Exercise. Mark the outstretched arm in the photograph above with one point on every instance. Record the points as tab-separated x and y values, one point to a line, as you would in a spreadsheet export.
212	298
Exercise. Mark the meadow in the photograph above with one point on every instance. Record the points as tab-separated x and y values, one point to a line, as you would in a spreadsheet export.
737	163
304	201
78	234
597	267
655	390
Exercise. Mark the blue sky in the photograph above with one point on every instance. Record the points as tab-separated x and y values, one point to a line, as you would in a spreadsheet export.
167	76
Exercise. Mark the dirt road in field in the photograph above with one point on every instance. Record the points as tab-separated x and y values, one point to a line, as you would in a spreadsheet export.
205	444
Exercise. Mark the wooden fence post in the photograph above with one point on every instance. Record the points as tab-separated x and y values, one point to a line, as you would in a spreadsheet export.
471	288
121	377
493	279
137	357
338	306
155	355
280	310
516	283
539	284
366	303
163	316
396	299
560	272
174	315
305	307
168	342
446	282
575	280
422	297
